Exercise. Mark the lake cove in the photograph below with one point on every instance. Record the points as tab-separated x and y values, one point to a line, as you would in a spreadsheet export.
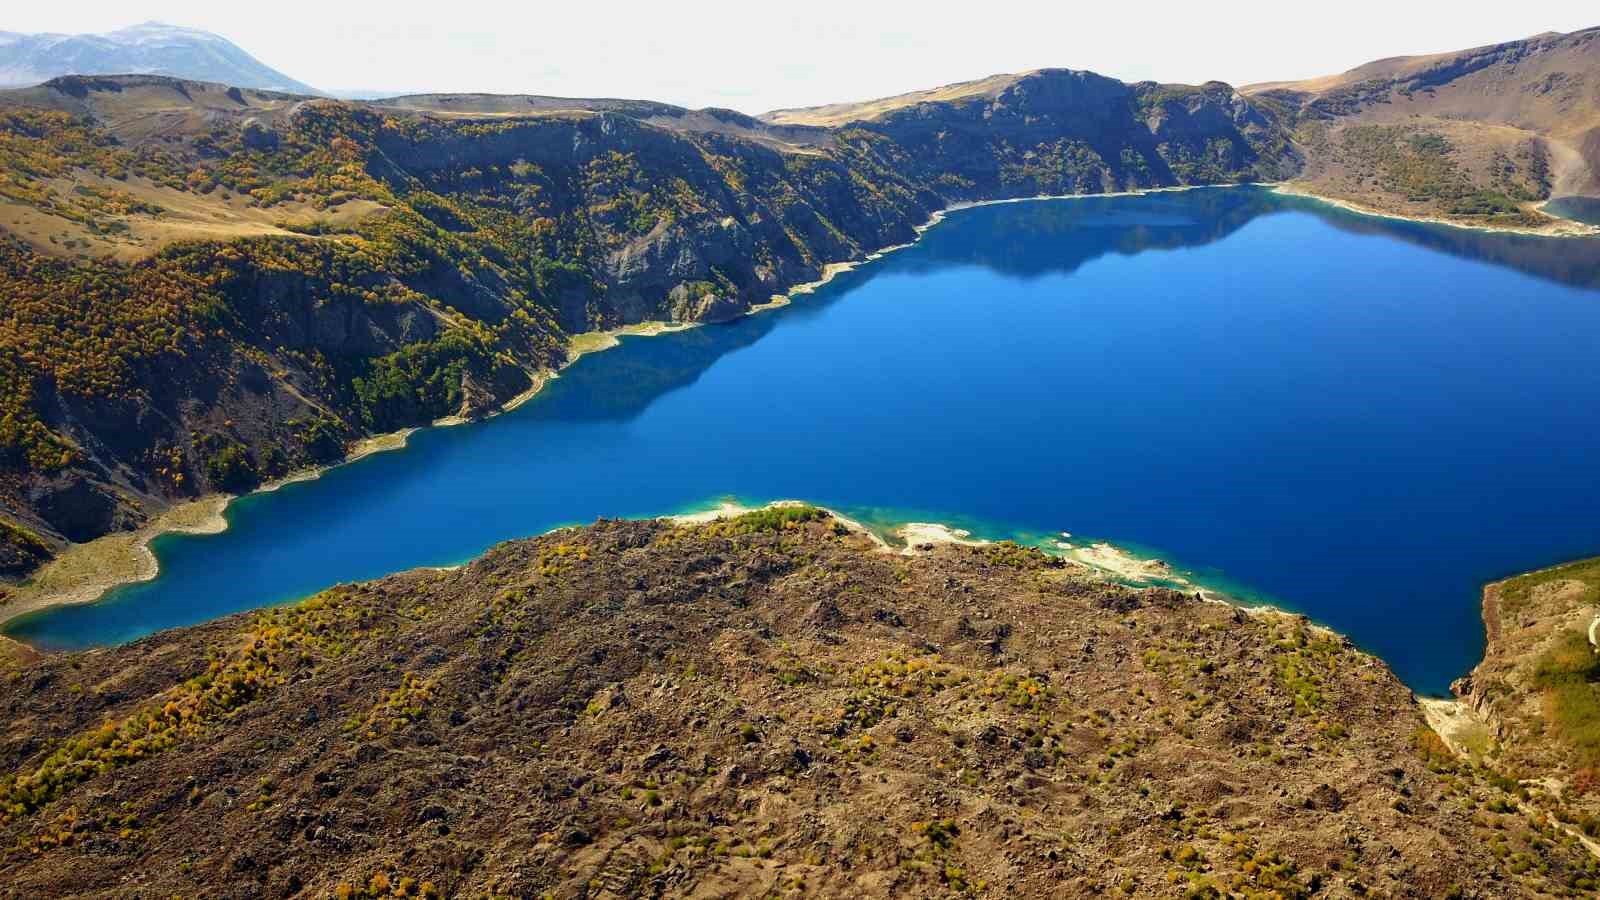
1357	418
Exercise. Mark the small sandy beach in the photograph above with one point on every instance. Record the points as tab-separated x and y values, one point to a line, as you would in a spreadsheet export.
1557	227
85	572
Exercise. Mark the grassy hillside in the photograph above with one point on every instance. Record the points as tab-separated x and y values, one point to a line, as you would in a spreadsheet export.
762	706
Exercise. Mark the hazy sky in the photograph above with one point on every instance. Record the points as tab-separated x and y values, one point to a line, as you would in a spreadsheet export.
756	56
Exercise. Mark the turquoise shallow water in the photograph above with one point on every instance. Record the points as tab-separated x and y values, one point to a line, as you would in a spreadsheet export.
1359	418
1580	209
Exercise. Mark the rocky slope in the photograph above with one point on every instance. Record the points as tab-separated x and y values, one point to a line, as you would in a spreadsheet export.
148	49
768	705
209	286
1060	131
1481	135
1531	709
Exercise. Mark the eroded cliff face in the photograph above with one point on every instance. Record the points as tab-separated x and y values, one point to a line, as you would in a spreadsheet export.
653	211
427	257
1530	711
767	704
1066	132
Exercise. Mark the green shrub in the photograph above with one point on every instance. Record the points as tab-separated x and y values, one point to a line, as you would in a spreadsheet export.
321	439
228	464
774	518
1567	673
1515	592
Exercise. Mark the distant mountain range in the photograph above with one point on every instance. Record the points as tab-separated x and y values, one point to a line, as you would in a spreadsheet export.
148	49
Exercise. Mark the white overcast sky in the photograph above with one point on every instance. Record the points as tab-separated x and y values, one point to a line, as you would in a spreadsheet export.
755	56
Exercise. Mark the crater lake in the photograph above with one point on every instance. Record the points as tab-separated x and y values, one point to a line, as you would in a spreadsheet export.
1356	418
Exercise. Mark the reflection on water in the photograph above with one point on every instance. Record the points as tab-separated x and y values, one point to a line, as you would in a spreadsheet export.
1359	417
1578	209
1057	237
1573	261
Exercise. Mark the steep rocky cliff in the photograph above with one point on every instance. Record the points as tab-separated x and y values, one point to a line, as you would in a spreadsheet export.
1058	131
1530	711
208	286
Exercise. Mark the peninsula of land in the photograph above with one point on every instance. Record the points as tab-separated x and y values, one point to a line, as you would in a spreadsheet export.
684	709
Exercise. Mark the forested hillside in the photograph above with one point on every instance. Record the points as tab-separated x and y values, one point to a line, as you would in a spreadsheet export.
205	287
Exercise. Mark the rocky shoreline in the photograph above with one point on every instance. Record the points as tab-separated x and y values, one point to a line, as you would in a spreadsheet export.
83	573
1524	710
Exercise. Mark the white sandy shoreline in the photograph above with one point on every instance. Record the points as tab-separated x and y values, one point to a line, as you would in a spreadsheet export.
83	573
1558	227
1099	559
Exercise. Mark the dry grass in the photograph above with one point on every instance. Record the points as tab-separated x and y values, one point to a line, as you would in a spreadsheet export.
835	114
1487	102
1338	171
218	215
1585	574
1566	673
1393	67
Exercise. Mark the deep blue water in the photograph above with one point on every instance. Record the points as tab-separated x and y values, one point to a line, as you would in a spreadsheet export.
1358	418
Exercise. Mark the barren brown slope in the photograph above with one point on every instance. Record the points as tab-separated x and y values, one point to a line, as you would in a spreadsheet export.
767	706
835	114
1482	135
1394	67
